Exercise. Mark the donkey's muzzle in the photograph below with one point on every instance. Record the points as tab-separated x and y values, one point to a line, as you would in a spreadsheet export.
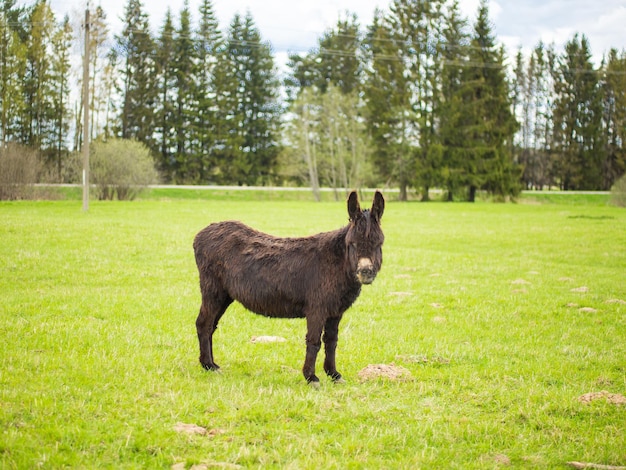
365	272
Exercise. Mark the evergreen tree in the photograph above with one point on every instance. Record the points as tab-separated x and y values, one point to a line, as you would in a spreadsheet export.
253	106
12	70
386	92
304	74
454	108
187	164
60	81
417	26
165	125
614	105
38	120
338	56
522	99
578	139
139	91
489	125
335	61
540	158
210	50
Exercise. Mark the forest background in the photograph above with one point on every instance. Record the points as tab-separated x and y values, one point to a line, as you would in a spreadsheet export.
419	98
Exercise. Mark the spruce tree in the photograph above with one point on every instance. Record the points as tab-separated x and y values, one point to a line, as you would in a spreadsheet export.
12	70
490	125
386	93
334	61
210	50
60	80
454	109
614	105
253	106
417	27
138	90
187	164
337	58
166	97
38	120
578	138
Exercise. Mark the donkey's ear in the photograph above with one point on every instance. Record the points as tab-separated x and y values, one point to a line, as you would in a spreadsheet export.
378	206
354	208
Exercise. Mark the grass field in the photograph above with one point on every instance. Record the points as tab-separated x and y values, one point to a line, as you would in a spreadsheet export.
504	314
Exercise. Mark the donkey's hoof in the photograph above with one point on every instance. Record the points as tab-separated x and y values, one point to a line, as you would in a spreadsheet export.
211	366
313	381
336	377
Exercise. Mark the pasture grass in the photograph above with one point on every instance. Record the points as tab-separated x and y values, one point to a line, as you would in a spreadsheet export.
503	314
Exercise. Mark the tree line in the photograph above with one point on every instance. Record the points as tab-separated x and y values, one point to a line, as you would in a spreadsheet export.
420	98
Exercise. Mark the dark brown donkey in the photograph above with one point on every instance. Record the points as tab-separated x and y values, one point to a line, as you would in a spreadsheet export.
316	277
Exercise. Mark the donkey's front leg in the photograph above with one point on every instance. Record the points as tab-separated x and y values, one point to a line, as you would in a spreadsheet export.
331	334
313	345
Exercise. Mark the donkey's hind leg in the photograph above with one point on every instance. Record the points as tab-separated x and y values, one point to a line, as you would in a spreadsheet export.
214	304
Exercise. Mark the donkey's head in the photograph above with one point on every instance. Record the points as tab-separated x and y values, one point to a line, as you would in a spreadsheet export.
364	241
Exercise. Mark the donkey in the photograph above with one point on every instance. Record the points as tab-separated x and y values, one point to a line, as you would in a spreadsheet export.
316	277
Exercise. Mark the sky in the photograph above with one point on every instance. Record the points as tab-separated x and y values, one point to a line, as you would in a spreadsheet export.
296	25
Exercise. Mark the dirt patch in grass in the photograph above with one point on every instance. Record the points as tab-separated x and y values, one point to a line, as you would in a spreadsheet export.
613	398
384	371
190	429
267	339
195	429
502	459
597	466
580	289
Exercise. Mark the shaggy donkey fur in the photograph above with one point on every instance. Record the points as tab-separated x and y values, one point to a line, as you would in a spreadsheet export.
316	277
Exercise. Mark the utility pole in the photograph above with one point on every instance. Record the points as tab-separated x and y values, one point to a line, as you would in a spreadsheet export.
86	115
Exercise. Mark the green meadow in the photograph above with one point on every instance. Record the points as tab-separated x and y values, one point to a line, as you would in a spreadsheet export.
505	315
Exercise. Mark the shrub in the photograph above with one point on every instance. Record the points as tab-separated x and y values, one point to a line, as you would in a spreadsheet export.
121	168
618	192
19	168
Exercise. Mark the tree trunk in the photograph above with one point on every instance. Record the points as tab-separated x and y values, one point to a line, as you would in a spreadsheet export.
403	192
472	194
